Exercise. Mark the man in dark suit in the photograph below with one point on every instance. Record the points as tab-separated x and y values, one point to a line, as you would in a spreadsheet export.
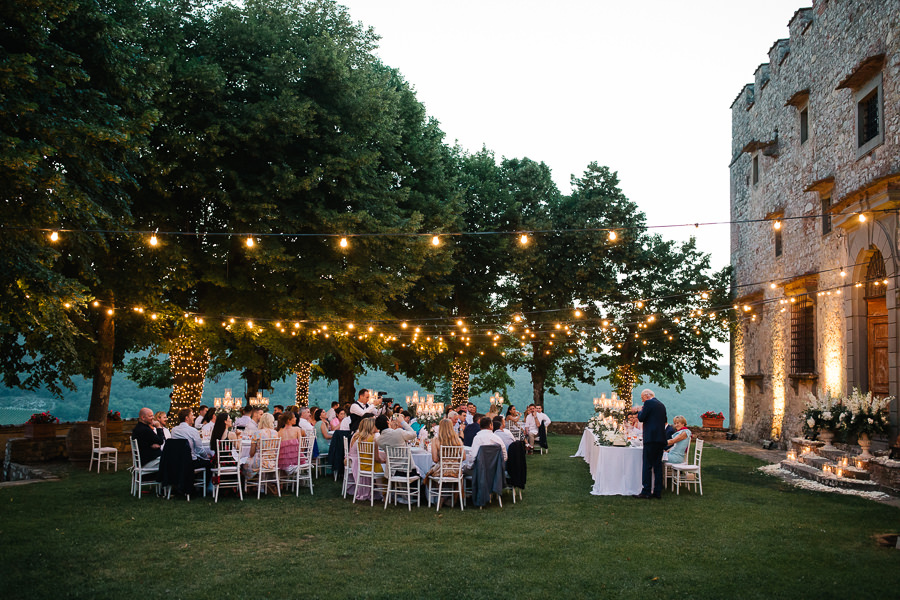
653	416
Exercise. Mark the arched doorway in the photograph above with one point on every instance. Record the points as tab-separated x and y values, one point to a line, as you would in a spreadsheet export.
877	327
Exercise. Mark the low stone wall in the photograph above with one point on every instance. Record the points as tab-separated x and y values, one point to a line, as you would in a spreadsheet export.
16	472
885	472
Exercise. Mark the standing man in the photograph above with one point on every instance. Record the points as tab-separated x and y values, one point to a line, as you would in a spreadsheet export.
361	409
653	416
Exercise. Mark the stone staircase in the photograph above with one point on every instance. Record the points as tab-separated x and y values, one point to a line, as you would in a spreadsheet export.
832	467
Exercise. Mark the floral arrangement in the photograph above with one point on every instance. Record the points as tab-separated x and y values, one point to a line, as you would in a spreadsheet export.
823	412
113	416
712	415
42	418
867	415
606	424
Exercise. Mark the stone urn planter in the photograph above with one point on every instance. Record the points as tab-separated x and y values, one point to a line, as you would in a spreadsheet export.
713	423
864	442
40	431
826	436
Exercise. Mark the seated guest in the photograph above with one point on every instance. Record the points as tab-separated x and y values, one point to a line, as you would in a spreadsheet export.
512	418
221	431
484	437
634	430
265	431
200	452
395	432
305	422
445	437
209	421
245	419
289	455
471	413
679	444
276	411
201	414
532	425
366	433
456	421
343	420
502	433
162	419
323	431
331	413
149	437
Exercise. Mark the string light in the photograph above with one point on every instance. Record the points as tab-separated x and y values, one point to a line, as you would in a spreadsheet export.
153	240
54	236
303	371
435	241
250	242
523	239
612	236
776	225
189	365
344	243
862	217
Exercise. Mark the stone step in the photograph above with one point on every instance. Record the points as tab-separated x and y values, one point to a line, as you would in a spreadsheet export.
813	474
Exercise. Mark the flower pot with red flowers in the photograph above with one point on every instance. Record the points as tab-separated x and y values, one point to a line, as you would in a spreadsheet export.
113	422
41	426
713	419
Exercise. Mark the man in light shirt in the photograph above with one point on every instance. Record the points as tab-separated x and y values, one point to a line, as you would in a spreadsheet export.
306	422
361	409
201	412
483	438
501	432
200	452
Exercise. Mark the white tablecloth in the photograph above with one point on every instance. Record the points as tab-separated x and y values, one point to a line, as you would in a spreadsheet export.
616	470
422	460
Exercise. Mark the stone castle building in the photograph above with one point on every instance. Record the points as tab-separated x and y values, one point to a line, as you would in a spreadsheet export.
815	198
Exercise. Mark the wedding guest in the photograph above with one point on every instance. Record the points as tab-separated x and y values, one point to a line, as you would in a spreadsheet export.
483	438
501	432
149	437
395	432
366	433
163	420
512	417
209	421
264	431
331	413
200	453
289	454
446	436
246	417
305	422
201	413
680	442
221	431
653	416
323	431
345	418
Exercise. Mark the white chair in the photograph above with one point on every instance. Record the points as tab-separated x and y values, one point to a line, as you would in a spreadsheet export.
348	467
689	474
104	454
305	464
450	472
268	466
369	478
228	468
138	472
400	472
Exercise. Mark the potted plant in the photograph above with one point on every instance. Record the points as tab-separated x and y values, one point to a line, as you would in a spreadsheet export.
713	419
113	422
868	416
41	426
823	416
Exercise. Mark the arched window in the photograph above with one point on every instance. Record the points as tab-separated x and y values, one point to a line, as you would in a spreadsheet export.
875	275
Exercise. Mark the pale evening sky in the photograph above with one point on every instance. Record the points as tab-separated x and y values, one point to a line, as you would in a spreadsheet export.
642	87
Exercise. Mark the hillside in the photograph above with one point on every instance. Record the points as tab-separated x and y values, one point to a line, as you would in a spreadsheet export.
16	405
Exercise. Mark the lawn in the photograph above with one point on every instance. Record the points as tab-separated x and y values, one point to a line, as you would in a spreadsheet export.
749	536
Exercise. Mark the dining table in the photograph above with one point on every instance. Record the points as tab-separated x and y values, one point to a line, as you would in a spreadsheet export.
616	470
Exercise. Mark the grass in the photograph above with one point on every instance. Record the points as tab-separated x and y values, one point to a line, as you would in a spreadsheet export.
749	536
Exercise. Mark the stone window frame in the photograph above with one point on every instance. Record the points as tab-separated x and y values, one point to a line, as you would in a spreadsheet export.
803	115
874	85
803	335
754	169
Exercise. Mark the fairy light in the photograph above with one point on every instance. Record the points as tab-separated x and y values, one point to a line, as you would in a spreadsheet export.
523	239
303	371
189	366
250	243
54	236
153	240
435	241
459	381
776	225
344	243
862	217
612	236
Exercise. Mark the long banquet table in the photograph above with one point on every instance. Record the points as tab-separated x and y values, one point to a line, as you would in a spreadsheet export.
616	470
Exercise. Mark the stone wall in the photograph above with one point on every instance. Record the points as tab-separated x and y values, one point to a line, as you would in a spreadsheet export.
812	70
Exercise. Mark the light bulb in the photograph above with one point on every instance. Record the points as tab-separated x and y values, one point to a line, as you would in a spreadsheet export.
435	241
153	240
777	225
343	242
250	242
54	236
862	217
612	236
523	239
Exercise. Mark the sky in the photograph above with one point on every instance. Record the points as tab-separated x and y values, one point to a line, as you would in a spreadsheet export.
644	88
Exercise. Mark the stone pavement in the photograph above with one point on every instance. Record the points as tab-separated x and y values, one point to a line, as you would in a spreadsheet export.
754	450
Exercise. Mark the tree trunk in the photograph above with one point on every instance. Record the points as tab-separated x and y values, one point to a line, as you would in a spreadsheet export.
346	382
189	366
459	381
625	384
538	377
303	369
257	379
103	371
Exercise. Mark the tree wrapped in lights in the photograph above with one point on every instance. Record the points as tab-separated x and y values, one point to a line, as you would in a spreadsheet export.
459	381
303	372
189	365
